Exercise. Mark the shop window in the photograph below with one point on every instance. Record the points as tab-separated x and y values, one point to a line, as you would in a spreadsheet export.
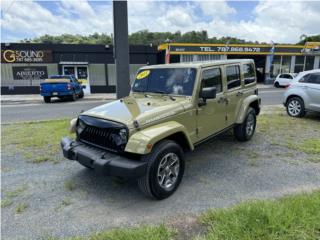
249	74
233	76
285	64
299	65
309	63
276	66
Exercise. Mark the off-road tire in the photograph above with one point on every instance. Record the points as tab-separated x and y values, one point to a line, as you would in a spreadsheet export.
81	94
276	84
149	184
240	130
47	99
299	101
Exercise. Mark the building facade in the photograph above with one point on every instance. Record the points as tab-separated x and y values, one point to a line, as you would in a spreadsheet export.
24	66
270	60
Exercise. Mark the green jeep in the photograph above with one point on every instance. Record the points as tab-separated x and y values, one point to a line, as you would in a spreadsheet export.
171	109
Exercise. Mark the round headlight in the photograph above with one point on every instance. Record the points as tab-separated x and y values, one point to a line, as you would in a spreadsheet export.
80	127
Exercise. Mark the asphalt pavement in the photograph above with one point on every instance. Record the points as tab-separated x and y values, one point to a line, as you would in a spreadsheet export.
20	111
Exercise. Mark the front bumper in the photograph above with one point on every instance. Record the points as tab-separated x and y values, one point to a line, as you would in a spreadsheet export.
101	161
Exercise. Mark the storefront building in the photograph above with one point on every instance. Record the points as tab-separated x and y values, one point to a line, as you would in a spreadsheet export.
24	66
270	60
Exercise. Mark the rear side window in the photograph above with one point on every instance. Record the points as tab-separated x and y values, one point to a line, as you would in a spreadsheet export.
233	76
212	78
311	78
249	74
286	76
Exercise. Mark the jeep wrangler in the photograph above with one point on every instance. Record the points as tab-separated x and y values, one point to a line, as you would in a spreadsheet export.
170	110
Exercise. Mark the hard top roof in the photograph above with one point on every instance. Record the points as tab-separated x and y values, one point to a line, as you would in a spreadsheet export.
199	64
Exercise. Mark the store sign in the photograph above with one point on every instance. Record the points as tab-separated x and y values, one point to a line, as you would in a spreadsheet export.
231	49
30	73
26	56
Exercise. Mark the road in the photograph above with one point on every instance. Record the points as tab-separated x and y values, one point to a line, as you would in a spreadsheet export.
19	112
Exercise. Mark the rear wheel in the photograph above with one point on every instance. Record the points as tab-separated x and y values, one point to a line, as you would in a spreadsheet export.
295	107
47	99
244	131
164	171
73	96
81	94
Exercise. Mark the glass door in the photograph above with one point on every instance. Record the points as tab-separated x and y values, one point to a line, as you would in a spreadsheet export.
83	77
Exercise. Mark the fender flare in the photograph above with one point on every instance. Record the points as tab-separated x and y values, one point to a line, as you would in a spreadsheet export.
138	142
245	106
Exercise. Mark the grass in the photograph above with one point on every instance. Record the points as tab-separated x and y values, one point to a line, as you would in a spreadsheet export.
66	202
70	186
21	207
159	232
37	141
6	202
16	192
289	218
296	134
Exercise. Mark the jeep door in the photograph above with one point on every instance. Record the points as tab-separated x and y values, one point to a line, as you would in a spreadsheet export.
234	92
211	116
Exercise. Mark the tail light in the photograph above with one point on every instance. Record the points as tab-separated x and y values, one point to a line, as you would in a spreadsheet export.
69	86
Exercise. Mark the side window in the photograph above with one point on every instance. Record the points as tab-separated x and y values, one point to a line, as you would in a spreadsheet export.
314	78
212	78
249	74
304	79
233	76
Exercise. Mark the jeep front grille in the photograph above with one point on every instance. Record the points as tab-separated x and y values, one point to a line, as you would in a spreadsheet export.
101	133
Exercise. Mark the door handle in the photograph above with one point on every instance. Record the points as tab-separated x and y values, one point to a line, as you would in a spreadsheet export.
239	94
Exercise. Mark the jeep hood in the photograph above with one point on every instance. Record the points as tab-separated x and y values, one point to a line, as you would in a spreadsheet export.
139	108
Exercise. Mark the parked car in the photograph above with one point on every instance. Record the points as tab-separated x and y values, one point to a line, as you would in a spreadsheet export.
171	109
61	86
284	80
303	94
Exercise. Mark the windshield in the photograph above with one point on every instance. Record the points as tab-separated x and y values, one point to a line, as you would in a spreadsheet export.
177	81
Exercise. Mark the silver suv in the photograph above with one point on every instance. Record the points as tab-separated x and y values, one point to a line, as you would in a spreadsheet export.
303	94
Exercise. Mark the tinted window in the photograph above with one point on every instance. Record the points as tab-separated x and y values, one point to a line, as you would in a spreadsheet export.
314	78
249	74
177	81
212	78
285	76
233	76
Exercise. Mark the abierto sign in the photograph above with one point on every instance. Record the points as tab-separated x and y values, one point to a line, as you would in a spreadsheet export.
30	73
26	56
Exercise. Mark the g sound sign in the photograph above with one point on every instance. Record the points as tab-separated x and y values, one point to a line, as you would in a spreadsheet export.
26	56
30	73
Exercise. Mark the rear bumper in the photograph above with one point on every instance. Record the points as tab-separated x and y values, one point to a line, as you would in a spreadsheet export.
50	94
101	161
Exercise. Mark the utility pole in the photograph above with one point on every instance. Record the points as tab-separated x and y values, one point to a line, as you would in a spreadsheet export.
121	47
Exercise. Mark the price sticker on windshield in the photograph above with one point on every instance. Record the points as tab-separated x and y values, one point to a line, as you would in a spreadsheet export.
143	74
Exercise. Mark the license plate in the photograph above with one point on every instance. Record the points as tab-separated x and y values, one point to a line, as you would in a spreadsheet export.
54	93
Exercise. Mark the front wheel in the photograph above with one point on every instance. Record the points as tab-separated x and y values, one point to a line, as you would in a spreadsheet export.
276	84
164	171
295	107
47	99
81	94
244	131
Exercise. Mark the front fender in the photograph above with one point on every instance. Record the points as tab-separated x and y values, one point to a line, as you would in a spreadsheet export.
245	106
139	141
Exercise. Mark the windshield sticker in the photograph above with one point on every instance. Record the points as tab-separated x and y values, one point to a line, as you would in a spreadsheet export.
143	74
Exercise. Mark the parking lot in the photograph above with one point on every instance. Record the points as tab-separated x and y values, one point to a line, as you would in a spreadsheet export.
44	195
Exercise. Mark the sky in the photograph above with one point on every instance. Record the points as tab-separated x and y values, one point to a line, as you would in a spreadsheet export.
263	21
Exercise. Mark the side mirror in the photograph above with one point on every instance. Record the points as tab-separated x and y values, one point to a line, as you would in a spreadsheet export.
83	86
208	93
